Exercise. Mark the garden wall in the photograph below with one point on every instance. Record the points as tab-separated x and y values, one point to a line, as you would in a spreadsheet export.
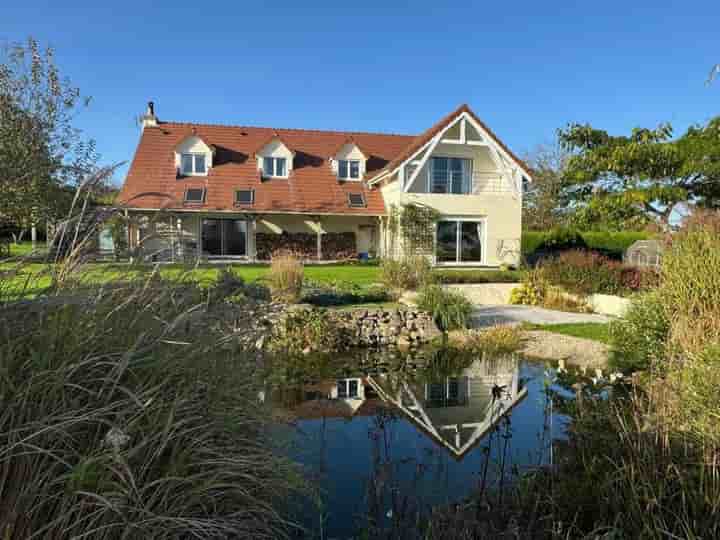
485	293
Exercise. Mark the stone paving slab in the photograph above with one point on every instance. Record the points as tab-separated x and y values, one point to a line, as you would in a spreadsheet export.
491	315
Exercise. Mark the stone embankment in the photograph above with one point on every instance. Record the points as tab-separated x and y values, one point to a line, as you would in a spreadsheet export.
403	328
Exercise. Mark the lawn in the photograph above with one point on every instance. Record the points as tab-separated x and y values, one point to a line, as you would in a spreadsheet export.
595	331
23	249
29	279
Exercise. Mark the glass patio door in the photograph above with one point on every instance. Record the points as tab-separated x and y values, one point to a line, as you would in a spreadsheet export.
224	237
459	241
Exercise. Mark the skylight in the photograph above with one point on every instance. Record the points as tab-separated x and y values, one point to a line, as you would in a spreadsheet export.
195	195
356	200
245	196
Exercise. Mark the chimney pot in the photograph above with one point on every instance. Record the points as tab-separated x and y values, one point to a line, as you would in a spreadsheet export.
149	119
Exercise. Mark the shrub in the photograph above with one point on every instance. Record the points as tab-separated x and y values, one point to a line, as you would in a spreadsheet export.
286	277
451	310
639	339
561	239
341	293
305	331
412	272
634	279
494	341
584	273
478	276
612	244
532	290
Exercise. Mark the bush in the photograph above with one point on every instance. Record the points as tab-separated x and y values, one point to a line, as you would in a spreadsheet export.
451	310
478	276
412	272
635	279
305	331
639	339
584	273
494	341
531	291
125	413
561	239
612	244
341	293
286	278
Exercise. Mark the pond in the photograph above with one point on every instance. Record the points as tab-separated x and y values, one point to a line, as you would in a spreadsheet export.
383	434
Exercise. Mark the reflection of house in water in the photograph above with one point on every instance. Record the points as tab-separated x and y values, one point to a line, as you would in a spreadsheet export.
455	412
458	411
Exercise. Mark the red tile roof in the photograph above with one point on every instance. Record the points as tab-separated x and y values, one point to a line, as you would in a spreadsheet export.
152	181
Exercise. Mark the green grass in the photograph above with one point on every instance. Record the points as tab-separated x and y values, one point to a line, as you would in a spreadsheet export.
24	249
28	280
595	331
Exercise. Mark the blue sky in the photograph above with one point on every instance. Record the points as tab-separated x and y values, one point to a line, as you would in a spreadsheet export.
526	68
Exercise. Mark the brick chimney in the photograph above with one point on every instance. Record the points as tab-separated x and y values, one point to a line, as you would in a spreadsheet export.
149	119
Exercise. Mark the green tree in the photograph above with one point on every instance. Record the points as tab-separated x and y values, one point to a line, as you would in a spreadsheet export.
41	152
647	170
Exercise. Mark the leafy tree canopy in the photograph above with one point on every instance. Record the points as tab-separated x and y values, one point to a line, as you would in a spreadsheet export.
41	152
648	170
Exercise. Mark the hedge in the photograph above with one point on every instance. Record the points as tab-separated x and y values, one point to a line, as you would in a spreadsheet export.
478	276
611	243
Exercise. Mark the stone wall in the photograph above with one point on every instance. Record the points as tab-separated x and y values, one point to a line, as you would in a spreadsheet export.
403	328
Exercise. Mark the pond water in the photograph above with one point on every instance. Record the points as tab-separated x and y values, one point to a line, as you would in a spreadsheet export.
380	435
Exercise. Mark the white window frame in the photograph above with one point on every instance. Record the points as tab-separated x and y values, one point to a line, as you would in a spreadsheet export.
346	384
430	172
194	156
274	161
349	177
483	241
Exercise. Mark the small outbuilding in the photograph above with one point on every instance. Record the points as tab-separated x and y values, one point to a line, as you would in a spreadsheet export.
644	253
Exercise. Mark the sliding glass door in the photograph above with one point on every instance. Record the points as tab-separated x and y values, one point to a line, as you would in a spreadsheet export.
459	241
224	237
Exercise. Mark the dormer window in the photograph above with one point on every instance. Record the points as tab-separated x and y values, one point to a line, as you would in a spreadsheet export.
275	167
193	164
349	169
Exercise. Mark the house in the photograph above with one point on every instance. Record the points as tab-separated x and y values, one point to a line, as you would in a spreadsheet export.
233	192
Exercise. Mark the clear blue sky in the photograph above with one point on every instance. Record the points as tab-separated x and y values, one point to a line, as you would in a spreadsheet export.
526	68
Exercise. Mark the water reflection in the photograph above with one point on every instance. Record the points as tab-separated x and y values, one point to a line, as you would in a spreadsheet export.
386	437
455	411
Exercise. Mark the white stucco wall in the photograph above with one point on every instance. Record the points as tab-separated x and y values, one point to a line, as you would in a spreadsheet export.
501	213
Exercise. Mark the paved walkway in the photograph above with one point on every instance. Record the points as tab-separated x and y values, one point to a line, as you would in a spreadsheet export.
490	315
